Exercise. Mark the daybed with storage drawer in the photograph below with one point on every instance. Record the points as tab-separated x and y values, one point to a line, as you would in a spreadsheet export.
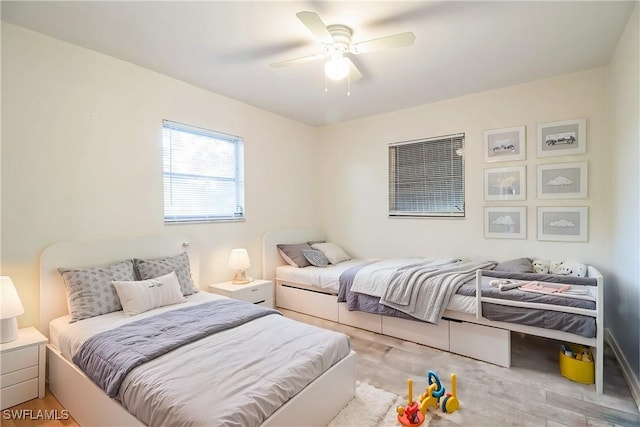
477	322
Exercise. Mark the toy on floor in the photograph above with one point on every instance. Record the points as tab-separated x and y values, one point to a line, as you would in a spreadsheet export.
433	378
428	400
435	395
451	403
410	415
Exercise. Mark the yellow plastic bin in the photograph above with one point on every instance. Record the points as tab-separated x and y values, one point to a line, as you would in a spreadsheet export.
577	370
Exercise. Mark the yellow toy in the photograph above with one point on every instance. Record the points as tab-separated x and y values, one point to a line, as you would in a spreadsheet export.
410	415
451	403
427	399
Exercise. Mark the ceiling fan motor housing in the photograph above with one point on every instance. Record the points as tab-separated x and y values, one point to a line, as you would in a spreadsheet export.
342	38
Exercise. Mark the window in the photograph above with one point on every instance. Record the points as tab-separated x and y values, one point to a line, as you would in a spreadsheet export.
203	174
426	177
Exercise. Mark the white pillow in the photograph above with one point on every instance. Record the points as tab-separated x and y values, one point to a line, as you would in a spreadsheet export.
140	296
333	252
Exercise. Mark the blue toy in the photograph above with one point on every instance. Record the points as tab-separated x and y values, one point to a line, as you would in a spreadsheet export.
432	378
449	402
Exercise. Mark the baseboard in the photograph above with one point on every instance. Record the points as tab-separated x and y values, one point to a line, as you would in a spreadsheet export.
628	374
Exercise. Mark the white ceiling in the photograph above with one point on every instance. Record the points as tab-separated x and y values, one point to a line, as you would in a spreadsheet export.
226	47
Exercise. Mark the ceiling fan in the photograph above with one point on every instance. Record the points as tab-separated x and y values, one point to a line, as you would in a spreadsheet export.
335	43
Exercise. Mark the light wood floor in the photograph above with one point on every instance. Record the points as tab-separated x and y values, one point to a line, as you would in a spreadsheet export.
531	393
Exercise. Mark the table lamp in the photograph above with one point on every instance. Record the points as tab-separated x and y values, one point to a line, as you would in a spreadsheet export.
239	261
10	309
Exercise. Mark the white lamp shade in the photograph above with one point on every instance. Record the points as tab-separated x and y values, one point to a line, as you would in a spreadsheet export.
10	304
337	68
239	259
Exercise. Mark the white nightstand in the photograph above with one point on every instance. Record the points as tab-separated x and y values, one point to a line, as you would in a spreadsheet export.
257	291
22	364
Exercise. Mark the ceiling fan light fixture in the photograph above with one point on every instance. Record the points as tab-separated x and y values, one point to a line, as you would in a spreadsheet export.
337	68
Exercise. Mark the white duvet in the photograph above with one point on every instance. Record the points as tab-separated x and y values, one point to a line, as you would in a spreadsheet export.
326	277
236	377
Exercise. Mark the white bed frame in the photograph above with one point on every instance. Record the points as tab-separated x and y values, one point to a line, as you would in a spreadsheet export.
462	333
316	405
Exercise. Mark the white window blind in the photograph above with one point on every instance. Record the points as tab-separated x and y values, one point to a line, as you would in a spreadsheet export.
203	174
426	177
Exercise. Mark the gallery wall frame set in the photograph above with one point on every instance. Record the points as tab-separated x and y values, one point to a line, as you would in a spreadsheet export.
503	145
562	138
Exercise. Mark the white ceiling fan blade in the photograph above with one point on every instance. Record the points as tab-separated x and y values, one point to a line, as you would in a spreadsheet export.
299	60
397	40
313	22
354	73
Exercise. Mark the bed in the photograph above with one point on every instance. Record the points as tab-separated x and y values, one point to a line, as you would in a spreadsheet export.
465	327
262	388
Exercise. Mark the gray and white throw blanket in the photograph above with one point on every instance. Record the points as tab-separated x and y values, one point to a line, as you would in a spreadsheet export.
423	292
109	356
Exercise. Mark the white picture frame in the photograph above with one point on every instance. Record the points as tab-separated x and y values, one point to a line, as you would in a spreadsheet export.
563	181
563	224
562	138
505	222
508	183
503	145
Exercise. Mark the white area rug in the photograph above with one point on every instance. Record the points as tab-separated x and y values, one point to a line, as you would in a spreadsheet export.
372	407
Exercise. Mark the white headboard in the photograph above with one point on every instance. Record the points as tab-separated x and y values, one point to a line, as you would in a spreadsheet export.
271	258
53	301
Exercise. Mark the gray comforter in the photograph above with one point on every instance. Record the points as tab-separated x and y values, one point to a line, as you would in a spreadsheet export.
424	292
108	357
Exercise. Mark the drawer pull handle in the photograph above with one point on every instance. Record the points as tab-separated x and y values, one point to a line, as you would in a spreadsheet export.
259	302
254	290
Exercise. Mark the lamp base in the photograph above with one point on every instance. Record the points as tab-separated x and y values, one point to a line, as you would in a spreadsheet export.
8	330
240	278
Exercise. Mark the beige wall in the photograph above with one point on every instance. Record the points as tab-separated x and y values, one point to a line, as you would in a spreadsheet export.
354	173
81	158
622	295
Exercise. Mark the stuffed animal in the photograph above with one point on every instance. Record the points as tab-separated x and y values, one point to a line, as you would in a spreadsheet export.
573	268
541	266
554	267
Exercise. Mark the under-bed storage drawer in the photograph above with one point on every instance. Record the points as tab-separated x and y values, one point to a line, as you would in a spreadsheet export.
359	319
307	302
436	336
481	342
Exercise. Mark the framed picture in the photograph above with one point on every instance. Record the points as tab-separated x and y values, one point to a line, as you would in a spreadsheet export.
564	224
562	138
505	222
505	183
502	145
562	181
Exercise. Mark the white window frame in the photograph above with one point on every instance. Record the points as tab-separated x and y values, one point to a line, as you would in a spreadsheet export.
186	195
425	188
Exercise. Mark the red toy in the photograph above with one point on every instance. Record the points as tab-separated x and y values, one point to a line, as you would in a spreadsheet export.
410	415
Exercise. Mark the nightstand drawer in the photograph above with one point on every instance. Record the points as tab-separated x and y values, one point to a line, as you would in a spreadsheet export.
19	359
18	393
19	376
254	294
